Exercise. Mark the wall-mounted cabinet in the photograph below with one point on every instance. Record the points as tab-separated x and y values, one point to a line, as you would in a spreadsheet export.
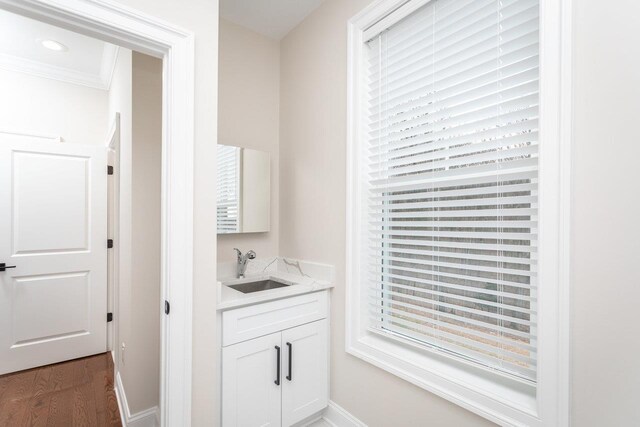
281	378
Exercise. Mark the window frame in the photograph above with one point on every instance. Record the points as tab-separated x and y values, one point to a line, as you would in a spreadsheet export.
499	398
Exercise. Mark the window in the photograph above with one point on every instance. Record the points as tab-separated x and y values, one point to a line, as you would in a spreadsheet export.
452	151
445	199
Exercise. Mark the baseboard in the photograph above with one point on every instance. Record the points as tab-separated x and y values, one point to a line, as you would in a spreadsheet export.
337	416
120	398
146	418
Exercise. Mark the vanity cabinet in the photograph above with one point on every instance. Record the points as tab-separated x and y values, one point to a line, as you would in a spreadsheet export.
305	387
280	378
250	396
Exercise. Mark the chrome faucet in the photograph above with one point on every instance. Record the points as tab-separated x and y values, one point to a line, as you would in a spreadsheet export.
241	267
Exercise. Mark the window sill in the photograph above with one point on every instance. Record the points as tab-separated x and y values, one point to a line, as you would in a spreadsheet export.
493	396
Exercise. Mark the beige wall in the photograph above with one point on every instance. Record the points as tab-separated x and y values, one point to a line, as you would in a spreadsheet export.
606	231
605	228
142	368
605	381
312	205
200	17
76	113
136	94
248	116
256	190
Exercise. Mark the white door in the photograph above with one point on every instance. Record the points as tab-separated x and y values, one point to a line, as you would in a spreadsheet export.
53	221
251	383
306	371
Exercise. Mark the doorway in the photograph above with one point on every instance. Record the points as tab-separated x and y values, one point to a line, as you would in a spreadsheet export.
144	33
82	270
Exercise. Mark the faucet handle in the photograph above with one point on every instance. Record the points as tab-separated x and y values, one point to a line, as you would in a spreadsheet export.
238	252
251	254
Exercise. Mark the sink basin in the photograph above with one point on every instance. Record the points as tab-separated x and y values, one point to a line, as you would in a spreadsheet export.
261	285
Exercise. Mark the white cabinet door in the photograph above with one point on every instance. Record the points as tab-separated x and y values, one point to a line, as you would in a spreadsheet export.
53	229
305	371
251	383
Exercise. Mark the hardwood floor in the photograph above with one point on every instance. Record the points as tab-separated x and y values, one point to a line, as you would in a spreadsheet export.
74	393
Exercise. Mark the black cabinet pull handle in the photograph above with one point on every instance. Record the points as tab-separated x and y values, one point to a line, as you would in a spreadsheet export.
3	266
277	381
290	357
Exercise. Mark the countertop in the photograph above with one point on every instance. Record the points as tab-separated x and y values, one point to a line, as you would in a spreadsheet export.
299	283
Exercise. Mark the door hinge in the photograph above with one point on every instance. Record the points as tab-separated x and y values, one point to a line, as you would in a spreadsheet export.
109	317
109	170
109	243
167	307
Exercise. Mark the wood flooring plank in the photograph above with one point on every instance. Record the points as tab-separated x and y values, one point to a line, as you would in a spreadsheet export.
20	385
61	408
41	382
12	412
99	389
110	365
106	402
81	372
84	406
61	376
37	411
99	362
4	383
17	390
103	386
113	411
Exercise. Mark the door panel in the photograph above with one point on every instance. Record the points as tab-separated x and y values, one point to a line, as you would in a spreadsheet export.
250	397
53	229
50	206
49	296
307	392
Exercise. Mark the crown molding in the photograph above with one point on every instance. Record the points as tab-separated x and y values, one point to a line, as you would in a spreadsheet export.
108	64
40	69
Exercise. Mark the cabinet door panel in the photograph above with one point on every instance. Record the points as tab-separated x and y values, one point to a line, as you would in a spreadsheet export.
307	391
250	396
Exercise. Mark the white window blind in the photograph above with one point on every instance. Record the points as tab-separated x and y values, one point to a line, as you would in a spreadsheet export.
228	189
451	181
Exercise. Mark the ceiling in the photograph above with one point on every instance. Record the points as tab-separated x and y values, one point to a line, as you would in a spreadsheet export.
87	61
272	18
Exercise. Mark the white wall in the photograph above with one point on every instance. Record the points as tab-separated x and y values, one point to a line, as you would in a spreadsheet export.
312	205
248	116
201	17
606	208
50	107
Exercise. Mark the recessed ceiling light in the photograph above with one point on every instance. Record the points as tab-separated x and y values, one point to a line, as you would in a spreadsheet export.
53	45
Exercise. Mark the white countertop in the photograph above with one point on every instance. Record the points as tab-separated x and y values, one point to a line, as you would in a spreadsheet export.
298	285
298	281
